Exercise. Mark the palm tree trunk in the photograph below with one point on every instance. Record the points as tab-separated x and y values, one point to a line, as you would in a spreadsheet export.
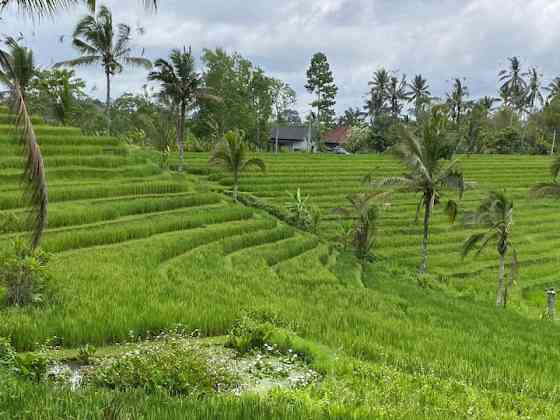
276	140
181	135
553	143
235	185
501	290
108	101
426	238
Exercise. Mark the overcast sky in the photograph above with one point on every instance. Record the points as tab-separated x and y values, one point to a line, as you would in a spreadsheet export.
441	39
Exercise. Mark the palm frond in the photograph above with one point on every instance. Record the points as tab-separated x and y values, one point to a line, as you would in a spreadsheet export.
34	171
42	8
471	243
259	163
542	190
138	62
80	61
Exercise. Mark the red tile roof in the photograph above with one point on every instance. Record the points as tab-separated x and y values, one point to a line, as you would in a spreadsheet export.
339	135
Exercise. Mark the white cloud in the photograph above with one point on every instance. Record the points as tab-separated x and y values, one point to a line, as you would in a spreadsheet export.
441	39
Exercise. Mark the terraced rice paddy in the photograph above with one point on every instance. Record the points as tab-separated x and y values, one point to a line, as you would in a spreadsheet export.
138	250
328	179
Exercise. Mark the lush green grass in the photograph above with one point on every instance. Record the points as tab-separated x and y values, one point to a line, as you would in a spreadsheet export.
137	251
329	179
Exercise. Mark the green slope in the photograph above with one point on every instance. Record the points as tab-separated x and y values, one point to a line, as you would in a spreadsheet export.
139	250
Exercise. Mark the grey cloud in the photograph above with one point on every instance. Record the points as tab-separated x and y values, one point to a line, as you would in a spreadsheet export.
441	39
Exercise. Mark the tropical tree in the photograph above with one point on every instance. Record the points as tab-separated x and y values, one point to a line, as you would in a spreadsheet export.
283	97
34	174
320	81
377	101
496	214
95	39
23	64
352	117
419	93
183	85
553	88
232	155
49	7
429	172
364	209
513	86
534	95
456	99
488	102
396	94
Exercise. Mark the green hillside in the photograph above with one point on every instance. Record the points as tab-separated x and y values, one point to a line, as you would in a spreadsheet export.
138	250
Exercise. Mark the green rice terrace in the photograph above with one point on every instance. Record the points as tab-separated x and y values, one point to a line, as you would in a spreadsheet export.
176	302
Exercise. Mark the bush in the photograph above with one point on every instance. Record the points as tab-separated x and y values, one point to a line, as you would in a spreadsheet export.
23	274
170	367
31	366
247	335
7	353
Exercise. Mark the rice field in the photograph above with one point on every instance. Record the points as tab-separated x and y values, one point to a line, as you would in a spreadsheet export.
328	179
138	250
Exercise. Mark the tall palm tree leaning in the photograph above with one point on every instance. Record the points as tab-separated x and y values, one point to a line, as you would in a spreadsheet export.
232	155
94	38
534	95
16	66
496	214
428	172
50	7
183	85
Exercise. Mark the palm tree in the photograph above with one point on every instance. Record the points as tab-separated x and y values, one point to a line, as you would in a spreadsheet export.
549	189
49	7
14	73
364	209
352	117
377	103
419	93
428	172
23	63
487	102
396	94
496	214
513	86
456	99
534	95
231	155
94	38
183	85
553	88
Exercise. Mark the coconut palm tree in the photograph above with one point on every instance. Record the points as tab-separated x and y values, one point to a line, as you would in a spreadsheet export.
549	189
377	103
183	85
364	209
428	171
49	7
487	102
15	68
95	38
496	214
419	93
396	94
534	95
456	99
232	155
513	86
553	88
23	64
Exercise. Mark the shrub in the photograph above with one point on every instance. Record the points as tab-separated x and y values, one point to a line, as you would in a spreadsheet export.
31	366
247	335
23	274
86	353
305	216
170	367
7	353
